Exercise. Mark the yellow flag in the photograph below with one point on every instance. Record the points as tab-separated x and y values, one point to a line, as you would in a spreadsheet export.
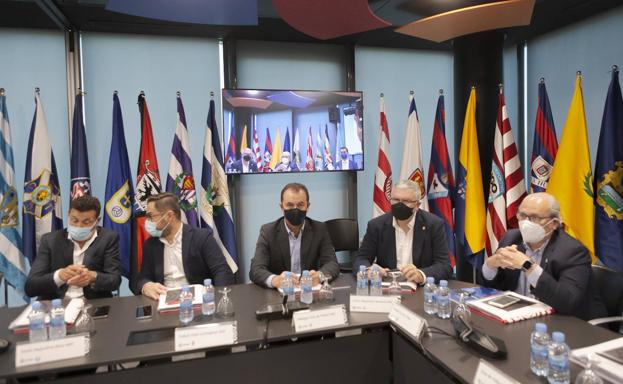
243	140
571	181
276	155
470	211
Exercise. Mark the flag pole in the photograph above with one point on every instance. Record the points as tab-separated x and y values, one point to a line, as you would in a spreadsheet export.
211	94
440	91
6	286
37	90
178	94
2	92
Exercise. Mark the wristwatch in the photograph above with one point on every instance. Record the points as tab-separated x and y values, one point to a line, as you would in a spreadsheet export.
527	265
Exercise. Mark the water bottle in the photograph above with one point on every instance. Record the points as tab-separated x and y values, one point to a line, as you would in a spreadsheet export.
430	304
208	307
186	305
376	282
306	288
58	330
443	300
558	357
36	323
287	286
362	281
539	342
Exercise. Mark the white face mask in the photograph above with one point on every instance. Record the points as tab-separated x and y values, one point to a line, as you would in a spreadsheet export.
285	161
532	233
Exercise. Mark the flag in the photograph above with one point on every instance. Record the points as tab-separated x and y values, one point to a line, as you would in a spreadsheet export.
383	176
215	207
268	147
609	180
147	178
230	155
296	149
243	140
42	211
286	142
328	158
506	187
119	192
256	149
544	145
441	187
180	180
469	213
309	163
340	137
571	181
319	144
12	261
412	167
276	155
80	179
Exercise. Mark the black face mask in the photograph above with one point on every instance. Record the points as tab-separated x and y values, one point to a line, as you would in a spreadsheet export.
295	216
401	211
246	157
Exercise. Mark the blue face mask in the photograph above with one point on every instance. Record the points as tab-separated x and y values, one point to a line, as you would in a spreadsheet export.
79	233
344	155
152	229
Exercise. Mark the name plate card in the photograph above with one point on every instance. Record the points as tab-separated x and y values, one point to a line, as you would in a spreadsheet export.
373	304
206	336
51	350
488	374
407	320
310	320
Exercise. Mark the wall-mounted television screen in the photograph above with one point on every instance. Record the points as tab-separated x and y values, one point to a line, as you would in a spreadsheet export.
270	131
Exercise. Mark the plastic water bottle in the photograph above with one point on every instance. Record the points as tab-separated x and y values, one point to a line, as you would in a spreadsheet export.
58	330
430	304
287	286
186	305
443	300
36	323
558	357
376	282
539	342
306	288
208	306
362	281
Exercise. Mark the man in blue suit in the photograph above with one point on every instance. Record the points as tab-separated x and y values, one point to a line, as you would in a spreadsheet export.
246	164
345	162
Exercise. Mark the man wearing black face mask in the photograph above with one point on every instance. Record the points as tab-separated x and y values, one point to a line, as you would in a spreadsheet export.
293	243
246	164
406	238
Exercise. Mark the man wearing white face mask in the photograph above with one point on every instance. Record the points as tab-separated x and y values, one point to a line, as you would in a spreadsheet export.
81	260
286	164
541	260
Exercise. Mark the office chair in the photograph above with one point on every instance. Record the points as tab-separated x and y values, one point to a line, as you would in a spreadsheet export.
344	235
609	284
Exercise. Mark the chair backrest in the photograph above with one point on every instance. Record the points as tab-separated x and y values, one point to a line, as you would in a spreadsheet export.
609	284
344	234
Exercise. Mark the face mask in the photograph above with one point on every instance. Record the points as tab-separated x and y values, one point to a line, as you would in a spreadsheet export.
285	161
401	211
295	216
152	229
344	156
531	232
79	233
246	157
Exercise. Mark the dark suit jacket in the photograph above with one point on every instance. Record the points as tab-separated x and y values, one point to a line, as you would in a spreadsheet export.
272	252
57	251
430	245
565	283
201	256
292	167
351	164
237	166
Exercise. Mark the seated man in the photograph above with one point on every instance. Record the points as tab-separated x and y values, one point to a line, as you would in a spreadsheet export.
345	162
293	243
286	164
176	253
79	261
541	260
246	164
407	238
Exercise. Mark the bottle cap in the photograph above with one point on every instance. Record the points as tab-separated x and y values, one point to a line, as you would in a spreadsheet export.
306	273
207	282
362	268
443	283
185	288
36	306
56	303
558	337
430	280
288	274
540	327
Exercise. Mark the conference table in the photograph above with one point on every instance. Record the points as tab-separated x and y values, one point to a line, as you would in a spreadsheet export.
368	349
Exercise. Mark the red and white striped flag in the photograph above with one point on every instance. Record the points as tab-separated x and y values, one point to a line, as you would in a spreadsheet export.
256	148
507	188
383	175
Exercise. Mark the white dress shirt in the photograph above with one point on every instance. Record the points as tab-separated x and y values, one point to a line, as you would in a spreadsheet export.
78	258
404	245
345	164
174	276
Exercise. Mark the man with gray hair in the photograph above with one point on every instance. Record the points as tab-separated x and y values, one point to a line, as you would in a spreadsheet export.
407	238
541	260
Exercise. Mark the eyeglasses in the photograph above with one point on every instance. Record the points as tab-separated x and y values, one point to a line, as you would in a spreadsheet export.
532	218
407	202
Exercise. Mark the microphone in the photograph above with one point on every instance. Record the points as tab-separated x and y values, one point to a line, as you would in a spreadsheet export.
484	344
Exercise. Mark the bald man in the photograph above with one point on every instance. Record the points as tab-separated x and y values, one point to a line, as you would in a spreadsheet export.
541	260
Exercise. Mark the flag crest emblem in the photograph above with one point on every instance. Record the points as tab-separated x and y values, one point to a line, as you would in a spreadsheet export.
610	192
148	185
417	176
184	188
41	195
8	209
119	206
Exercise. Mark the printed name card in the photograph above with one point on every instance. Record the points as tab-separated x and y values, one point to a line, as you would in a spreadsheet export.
51	350
310	320
373	304
206	336
488	374
407	320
